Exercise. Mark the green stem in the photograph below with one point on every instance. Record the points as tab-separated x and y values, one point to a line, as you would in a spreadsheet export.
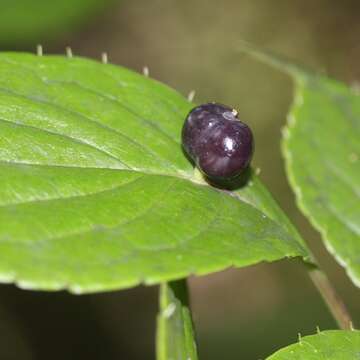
175	338
331	298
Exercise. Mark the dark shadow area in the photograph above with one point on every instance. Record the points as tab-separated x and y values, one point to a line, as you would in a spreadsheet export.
235	183
59	325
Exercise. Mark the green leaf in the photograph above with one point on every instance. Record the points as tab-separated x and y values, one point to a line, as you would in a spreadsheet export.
24	21
96	194
326	345
175	337
256	194
321	147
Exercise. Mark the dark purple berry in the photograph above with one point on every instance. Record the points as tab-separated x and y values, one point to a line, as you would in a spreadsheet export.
217	141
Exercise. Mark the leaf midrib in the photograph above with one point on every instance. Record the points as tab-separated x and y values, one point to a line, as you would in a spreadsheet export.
194	180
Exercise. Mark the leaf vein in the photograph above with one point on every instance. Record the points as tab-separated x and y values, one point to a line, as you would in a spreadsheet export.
67	137
93	121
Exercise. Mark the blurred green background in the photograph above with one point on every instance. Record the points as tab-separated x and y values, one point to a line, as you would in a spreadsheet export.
192	44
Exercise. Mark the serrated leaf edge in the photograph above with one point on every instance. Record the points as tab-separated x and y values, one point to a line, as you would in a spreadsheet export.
286	134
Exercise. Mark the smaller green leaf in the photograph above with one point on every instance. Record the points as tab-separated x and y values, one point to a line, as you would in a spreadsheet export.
322	149
175	334
326	345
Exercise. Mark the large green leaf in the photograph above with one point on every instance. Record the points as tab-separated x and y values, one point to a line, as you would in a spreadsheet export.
96	194
34	21
322	149
326	345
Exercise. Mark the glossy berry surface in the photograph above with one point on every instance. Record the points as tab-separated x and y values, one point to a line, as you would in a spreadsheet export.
220	144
